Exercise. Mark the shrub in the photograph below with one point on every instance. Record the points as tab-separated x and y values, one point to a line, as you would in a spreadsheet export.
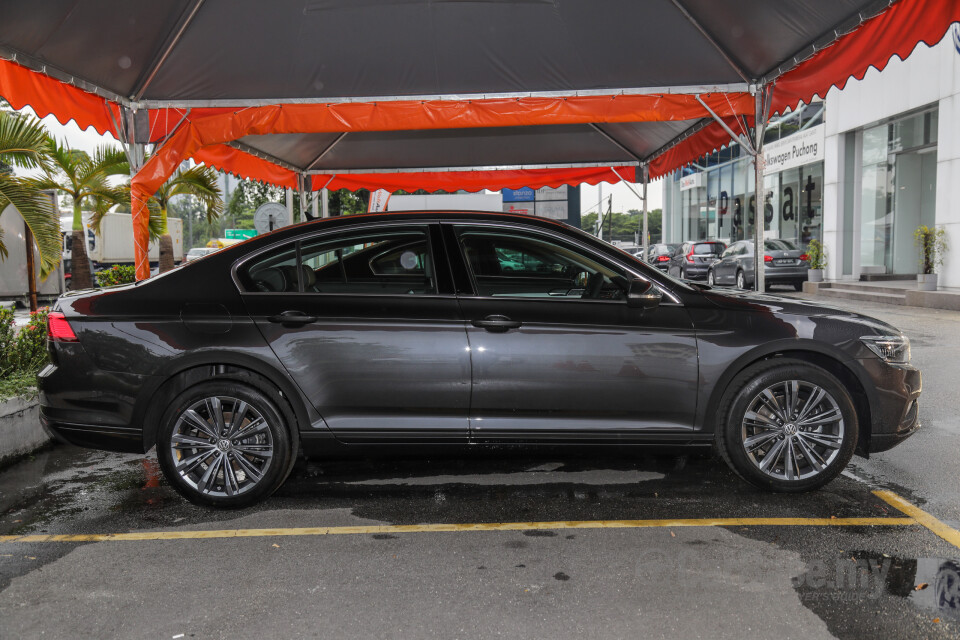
933	247
117	274
22	353
817	255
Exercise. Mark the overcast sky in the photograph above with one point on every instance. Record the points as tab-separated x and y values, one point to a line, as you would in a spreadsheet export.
623	198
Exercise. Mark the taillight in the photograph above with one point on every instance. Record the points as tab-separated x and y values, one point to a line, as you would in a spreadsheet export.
804	257
663	258
768	258
58	329
690	256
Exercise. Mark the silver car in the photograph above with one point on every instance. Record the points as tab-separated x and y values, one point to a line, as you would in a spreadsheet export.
783	263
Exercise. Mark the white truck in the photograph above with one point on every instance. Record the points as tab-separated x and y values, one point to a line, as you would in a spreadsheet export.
114	244
13	269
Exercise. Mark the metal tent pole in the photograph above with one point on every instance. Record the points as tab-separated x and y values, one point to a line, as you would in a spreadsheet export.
646	233
759	128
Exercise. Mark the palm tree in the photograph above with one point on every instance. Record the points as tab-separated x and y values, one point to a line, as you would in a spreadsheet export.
84	179
200	182
23	143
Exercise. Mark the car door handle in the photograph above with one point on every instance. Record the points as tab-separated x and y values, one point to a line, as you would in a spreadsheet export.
496	324
292	318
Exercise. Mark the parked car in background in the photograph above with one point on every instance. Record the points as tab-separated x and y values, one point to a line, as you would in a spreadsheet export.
199	252
658	255
692	261
783	263
460	330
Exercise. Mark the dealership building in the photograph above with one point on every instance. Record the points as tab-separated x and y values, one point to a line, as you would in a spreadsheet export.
859	171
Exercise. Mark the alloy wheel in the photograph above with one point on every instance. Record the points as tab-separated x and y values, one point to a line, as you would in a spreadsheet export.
741	280
792	430
221	446
710	280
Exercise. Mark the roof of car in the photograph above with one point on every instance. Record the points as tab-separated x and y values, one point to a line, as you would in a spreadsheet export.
373	218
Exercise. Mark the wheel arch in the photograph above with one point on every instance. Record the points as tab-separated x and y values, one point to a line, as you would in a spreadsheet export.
847	371
242	369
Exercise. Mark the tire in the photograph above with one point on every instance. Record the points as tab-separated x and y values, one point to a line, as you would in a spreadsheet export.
710	279
683	273
803	455
259	461
798	286
741	280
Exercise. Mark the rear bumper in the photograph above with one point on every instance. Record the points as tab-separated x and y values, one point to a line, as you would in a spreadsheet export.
124	439
88	406
696	271
789	275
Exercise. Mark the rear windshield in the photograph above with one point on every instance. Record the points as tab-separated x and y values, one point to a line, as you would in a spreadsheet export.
779	245
708	247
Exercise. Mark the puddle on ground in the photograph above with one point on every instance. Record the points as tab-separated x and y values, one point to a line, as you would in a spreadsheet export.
930	584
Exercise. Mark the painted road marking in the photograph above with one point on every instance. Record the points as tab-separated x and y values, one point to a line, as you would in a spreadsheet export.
946	532
439	528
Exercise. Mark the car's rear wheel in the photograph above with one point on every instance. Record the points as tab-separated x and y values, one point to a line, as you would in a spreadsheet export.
787	426
798	286
224	444
741	280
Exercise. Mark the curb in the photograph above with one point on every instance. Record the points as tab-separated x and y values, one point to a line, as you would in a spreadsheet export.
20	429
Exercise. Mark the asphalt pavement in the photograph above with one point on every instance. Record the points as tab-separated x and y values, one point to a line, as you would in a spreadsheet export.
561	544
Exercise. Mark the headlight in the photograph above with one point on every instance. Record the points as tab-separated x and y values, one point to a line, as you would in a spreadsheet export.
889	348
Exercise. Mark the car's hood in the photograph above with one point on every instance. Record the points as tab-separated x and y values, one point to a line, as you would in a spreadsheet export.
736	299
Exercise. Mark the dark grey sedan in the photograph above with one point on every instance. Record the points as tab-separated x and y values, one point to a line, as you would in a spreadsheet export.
783	263
420	331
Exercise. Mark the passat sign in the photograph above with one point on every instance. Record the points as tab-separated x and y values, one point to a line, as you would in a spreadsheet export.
799	149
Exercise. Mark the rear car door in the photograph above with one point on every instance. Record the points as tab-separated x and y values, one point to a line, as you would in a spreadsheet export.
369	328
557	354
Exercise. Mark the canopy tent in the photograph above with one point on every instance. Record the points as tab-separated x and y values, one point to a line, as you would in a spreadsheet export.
440	94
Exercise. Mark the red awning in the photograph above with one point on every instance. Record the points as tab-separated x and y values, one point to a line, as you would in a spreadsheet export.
493	108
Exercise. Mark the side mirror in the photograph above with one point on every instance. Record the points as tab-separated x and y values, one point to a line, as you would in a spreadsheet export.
643	295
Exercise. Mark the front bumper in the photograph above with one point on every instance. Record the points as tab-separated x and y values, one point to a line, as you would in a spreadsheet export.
895	410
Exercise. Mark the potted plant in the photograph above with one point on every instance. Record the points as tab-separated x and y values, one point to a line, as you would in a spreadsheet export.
818	261
933	248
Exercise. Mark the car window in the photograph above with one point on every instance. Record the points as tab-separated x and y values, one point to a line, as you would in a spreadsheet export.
507	263
395	261
708	248
779	245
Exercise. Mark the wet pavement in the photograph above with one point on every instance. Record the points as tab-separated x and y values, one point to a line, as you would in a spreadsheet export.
669	580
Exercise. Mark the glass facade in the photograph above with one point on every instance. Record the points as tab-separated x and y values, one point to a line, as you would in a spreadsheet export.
722	207
898	181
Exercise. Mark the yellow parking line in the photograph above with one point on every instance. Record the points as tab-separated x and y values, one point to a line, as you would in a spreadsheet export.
946	532
435	528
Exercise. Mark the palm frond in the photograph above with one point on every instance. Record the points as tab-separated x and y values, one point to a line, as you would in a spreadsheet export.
111	161
64	165
38	212
23	140
201	182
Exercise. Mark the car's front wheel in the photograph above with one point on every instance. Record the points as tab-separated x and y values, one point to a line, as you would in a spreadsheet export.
224	444
787	425
741	280
710	280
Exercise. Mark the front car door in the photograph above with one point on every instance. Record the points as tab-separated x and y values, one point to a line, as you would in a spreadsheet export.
557	355
369	328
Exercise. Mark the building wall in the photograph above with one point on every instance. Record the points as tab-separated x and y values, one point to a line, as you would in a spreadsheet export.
928	79
930	76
